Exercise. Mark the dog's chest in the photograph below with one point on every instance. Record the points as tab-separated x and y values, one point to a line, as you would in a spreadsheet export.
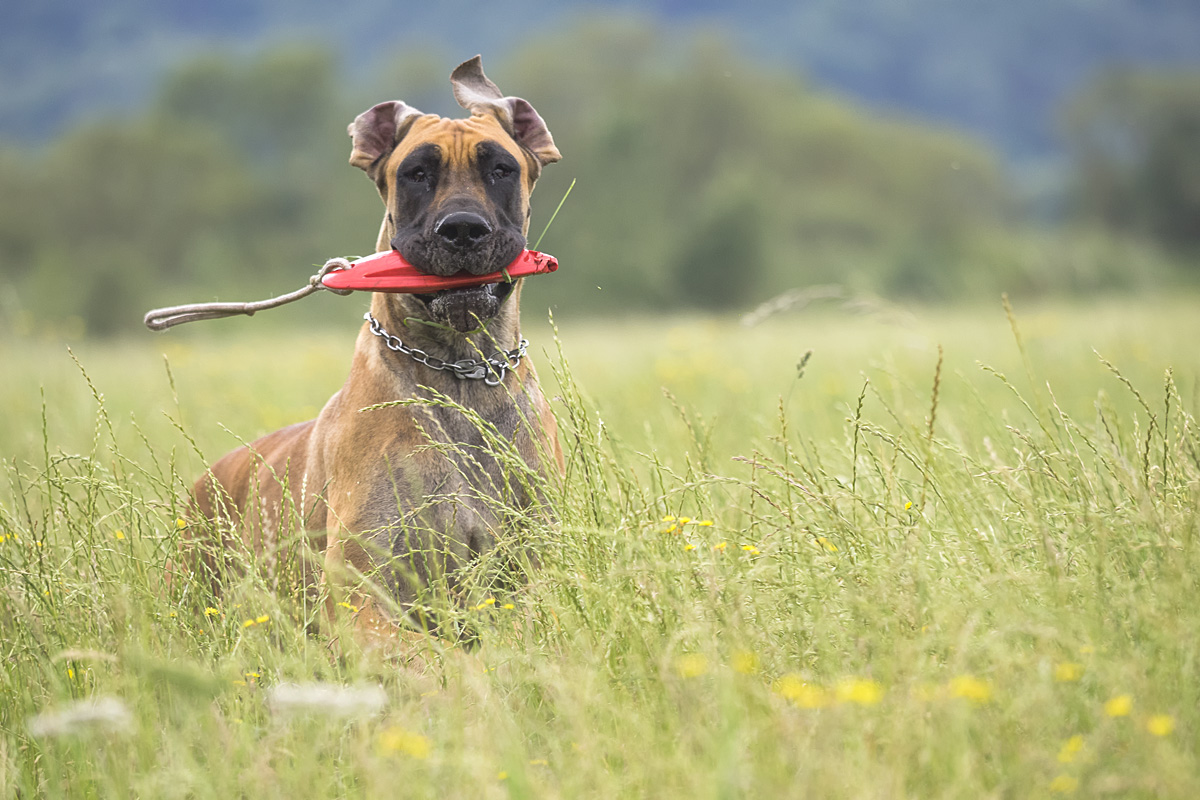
441	470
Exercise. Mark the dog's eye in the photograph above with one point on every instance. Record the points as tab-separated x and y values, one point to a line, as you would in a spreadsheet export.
501	171
417	175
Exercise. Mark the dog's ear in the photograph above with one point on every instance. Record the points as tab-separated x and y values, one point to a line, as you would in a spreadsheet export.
477	94
376	131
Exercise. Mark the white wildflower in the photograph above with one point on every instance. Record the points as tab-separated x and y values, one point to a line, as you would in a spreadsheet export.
326	699
82	655
98	714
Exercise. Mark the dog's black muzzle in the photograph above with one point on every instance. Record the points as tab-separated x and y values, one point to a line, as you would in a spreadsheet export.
462	240
459	240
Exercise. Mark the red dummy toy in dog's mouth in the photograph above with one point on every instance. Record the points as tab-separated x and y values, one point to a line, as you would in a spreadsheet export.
390	272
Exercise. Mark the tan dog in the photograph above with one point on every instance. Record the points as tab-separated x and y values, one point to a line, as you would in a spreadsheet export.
406	493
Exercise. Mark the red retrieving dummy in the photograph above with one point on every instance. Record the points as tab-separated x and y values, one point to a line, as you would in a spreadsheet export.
389	272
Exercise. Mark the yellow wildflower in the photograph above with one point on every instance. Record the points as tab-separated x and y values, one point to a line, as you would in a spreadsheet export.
908	505
705	523
398	740
1119	706
668	518
971	688
119	534
720	546
860	691
688	547
1070	749
691	665
751	549
508	606
353	609
501	775
821	541
1067	671
248	623
800	693
1064	784
253	675
1161	724
672	529
684	521
745	662
180	523
262	619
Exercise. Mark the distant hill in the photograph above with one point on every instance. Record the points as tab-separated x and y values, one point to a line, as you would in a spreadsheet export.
998	69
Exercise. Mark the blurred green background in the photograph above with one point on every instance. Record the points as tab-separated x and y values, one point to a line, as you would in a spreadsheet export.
154	153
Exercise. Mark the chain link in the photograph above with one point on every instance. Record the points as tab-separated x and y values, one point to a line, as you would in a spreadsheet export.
490	370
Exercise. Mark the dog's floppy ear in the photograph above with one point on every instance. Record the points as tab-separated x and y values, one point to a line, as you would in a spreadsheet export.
477	94
376	131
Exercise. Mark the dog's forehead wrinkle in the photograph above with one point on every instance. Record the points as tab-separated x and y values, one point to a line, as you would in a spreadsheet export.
490	148
427	151
463	134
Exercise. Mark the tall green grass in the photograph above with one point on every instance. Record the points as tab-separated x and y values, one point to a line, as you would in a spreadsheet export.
948	554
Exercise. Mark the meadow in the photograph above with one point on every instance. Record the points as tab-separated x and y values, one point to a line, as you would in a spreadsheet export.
855	551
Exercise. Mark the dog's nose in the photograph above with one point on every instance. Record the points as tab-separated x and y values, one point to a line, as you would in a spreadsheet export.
463	228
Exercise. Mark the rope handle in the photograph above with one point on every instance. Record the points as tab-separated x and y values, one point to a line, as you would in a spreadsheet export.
162	318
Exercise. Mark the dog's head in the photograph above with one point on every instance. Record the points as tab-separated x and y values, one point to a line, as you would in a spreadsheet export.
456	190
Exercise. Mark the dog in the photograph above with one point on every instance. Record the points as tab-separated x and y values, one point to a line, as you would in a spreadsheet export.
398	481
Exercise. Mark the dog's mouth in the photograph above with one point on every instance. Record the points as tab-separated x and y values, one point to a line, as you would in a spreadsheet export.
466	309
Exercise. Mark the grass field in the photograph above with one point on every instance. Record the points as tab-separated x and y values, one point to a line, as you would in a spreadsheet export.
897	571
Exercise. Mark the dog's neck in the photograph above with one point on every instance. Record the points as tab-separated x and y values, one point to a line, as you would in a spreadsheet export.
407	318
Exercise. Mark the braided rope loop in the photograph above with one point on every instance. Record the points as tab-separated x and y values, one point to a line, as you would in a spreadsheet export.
162	318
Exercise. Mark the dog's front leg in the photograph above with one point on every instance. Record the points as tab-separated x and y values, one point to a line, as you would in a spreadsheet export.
347	598
370	583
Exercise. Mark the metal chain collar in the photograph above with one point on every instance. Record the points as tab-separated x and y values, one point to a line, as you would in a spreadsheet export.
490	370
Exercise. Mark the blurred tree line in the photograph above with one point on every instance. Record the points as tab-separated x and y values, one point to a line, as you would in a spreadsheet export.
1135	138
703	181
999	70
